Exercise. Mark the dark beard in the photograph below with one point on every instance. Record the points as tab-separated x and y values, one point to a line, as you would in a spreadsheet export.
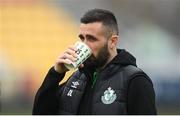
94	63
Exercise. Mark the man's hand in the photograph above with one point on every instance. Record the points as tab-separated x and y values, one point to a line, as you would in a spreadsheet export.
67	57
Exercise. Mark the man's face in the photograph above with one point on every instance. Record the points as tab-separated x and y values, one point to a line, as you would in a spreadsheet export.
93	35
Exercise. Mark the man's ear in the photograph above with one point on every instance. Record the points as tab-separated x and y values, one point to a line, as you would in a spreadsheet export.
113	41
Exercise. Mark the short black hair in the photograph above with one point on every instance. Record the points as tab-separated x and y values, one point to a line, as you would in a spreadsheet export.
100	15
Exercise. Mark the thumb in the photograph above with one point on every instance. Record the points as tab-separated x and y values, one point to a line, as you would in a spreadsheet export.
81	66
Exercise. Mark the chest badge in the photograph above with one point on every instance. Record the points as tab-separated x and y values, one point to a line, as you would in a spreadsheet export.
109	96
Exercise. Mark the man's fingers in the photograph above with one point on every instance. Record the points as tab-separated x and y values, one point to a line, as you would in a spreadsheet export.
72	47
63	61
71	52
70	57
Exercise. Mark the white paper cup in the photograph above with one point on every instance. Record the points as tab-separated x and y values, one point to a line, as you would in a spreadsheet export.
83	52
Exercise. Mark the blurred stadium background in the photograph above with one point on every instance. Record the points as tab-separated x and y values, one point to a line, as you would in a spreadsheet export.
34	32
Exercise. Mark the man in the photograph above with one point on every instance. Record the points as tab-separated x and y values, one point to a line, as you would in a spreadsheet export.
108	82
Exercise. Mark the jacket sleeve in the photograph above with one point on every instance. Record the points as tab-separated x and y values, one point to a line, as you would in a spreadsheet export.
141	97
46	101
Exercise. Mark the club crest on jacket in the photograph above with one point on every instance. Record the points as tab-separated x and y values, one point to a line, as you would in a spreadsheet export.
109	96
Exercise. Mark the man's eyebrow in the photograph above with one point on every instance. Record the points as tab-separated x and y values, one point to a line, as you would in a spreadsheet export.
90	36
81	36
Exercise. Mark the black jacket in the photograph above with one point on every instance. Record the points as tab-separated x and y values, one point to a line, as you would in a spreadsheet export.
136	97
